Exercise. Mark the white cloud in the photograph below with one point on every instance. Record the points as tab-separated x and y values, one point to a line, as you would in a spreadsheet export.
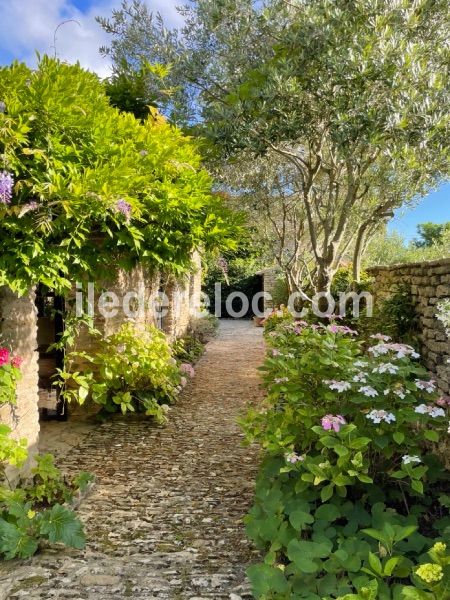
29	25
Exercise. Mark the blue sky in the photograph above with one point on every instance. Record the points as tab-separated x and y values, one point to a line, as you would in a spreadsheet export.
435	207
29	25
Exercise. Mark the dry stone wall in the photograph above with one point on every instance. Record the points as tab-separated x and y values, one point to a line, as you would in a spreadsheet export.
428	283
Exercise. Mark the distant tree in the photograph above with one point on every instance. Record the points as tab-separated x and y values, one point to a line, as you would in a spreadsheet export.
431	234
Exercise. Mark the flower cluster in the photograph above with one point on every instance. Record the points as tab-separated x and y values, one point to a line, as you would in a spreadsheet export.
339	386
407	459
124	208
334	422
376	416
430	572
426	386
401	350
187	369
6	187
293	458
430	409
343	329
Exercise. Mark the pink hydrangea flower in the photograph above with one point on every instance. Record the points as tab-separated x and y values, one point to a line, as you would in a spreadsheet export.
293	458
443	401
4	356
187	369
341	329
381	337
334	422
16	362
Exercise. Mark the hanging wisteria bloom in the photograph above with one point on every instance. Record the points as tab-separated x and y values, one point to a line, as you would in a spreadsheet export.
381	337
426	386
407	459
339	386
360	377
376	416
294	458
6	187
123	207
369	391
430	409
386	368
334	422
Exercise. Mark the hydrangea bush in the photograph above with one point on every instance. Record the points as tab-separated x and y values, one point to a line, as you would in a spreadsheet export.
351	491
133	370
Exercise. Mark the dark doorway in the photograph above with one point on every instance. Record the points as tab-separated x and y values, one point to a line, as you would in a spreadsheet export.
50	325
250	286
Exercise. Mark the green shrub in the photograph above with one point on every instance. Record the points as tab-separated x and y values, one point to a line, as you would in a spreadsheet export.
35	509
350	490
133	370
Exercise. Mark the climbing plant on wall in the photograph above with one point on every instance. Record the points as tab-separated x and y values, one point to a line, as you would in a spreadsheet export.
84	187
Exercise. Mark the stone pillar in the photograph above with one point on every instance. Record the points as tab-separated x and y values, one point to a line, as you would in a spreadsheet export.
195	286
18	329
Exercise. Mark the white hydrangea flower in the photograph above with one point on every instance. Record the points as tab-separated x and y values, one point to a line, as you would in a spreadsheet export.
339	386
386	368
407	459
293	458
360	377
369	391
426	386
376	416
430	409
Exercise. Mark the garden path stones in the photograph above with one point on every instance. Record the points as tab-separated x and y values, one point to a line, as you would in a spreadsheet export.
164	521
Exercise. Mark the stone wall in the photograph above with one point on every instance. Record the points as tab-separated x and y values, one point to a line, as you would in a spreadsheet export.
428	283
18	330
184	300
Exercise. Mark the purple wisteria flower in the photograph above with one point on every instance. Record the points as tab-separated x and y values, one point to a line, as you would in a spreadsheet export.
6	187
122	206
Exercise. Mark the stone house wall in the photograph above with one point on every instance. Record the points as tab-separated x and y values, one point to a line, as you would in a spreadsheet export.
428	283
18	332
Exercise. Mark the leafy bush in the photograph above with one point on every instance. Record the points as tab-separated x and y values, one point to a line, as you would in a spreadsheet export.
350	493
275	318
133	370
9	376
34	510
86	188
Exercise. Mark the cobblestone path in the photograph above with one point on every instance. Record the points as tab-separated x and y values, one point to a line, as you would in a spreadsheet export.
164	520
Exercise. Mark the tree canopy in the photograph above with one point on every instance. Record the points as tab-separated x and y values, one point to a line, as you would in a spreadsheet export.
353	96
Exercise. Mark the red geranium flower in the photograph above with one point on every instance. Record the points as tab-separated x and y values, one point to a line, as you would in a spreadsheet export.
4	356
